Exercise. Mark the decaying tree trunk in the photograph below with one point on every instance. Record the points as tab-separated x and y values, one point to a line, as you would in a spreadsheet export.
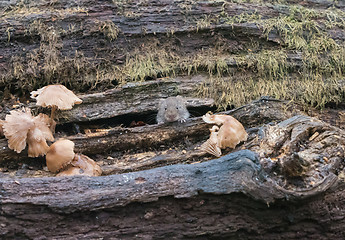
285	182
250	193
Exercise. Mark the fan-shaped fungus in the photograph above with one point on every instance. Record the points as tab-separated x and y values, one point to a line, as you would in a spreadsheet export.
20	127
56	97
230	133
61	156
211	145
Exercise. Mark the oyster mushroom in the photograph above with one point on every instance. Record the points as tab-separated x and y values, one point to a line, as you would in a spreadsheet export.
55	97
230	133
60	154
21	128
211	145
61	157
218	119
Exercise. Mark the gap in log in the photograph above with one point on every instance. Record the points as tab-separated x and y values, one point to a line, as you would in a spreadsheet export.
126	120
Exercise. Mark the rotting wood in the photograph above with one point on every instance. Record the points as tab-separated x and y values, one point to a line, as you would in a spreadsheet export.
176	24
242	176
132	98
242	170
119	139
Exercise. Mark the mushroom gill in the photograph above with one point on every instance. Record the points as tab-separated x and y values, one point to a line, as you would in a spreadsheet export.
21	128
211	145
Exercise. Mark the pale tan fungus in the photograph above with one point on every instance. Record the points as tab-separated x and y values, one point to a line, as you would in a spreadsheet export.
217	119
48	121
211	145
21	128
56	97
59	155
71	171
230	133
89	166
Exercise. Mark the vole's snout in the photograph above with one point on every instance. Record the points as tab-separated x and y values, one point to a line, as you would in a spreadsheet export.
171	117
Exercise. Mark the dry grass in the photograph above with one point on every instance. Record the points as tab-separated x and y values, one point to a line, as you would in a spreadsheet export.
260	71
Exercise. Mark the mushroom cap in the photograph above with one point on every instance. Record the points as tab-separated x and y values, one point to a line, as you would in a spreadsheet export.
71	171
217	119
21	127
55	95
59	155
231	133
89	166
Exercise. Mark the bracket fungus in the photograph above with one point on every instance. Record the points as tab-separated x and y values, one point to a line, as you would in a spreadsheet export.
61	158
21	128
56	97
229	135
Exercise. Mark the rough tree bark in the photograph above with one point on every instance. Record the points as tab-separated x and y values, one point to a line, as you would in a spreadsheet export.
285	182
249	193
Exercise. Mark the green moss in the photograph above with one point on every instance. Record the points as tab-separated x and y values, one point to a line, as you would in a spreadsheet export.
318	81
264	68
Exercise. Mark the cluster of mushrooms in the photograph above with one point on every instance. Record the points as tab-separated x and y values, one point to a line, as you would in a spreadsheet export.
21	128
228	135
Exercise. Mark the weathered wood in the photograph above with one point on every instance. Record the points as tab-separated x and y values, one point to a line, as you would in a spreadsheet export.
242	182
289	138
132	98
119	139
79	27
288	184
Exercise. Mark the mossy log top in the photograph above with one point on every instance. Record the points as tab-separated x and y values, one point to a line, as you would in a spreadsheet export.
86	44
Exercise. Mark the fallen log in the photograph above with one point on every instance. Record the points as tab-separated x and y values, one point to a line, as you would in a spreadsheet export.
132	98
120	138
193	196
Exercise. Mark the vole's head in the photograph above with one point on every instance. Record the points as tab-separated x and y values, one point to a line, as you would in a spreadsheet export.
173	109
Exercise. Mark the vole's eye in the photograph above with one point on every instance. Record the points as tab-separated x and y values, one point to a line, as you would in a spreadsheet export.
165	109
177	108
